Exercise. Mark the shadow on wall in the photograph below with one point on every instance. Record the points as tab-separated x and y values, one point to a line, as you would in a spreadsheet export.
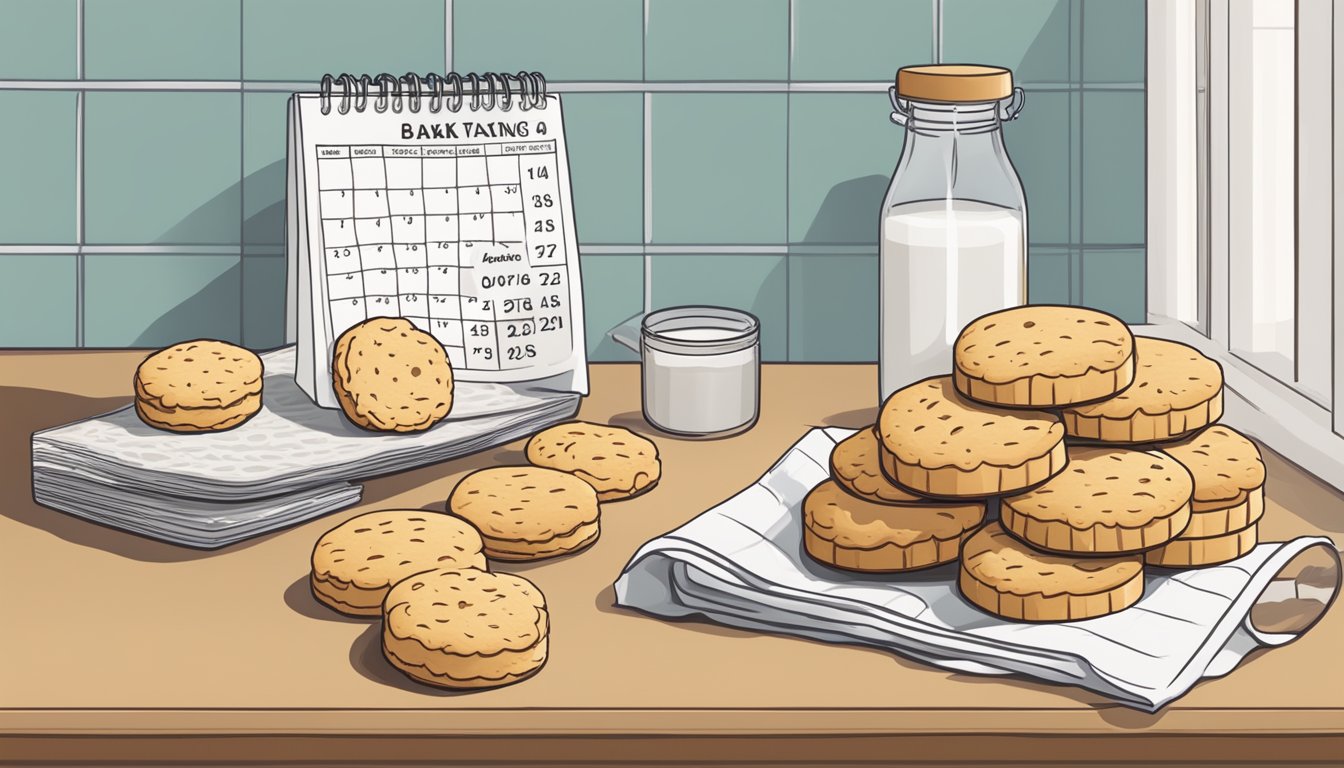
849	212
198	315
222	213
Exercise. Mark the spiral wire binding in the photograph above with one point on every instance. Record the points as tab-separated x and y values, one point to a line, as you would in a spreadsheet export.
432	92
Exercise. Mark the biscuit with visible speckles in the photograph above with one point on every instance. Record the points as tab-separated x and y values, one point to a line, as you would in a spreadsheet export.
1008	578
1229	480
938	443
845	531
1107	501
390	376
1176	391
1043	356
528	513
358	561
198	386
856	464
618	463
466	629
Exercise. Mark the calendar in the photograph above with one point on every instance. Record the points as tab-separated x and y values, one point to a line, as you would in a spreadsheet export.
443	200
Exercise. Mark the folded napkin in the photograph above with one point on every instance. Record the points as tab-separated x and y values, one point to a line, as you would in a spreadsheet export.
742	564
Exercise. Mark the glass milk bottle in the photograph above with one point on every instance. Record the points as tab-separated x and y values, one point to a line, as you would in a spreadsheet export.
954	222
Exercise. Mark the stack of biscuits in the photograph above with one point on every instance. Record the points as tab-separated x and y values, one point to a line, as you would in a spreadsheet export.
1100	449
448	619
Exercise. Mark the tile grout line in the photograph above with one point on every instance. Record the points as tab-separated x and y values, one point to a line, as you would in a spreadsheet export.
447	36
561	86
937	31
242	185
79	178
1082	160
646	257
788	201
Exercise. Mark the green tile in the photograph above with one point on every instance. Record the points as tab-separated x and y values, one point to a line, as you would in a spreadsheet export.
719	163
843	148
162	167
573	40
756	283
155	300
605	137
1039	143
714	40
1030	37
613	291
37	183
1050	275
1115	281
37	300
304	39
833	308
162	39
264	137
263	301
846	40
1114	197
37	39
1113	41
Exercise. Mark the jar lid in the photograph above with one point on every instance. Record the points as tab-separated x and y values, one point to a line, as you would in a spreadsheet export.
954	82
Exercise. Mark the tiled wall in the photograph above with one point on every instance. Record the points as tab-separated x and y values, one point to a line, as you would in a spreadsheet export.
726	151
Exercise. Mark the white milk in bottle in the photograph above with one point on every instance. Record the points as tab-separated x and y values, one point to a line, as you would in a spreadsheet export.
944	263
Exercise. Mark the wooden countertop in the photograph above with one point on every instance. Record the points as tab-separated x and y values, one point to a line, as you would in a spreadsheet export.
122	648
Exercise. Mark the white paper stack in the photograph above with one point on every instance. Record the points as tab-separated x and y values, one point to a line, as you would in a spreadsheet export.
742	564
291	462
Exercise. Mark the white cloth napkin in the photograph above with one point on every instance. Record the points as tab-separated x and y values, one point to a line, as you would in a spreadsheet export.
742	564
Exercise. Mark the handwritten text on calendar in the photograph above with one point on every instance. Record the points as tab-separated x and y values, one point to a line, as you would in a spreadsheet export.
464	240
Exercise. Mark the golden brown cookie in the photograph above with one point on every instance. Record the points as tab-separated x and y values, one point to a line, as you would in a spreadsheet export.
938	443
1210	550
846	531
527	513
618	463
1176	391
1225	464
198	386
358	561
1043	356
1008	578
390	376
1107	501
466	629
856	464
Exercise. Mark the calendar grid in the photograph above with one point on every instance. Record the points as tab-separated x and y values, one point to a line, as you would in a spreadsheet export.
441	235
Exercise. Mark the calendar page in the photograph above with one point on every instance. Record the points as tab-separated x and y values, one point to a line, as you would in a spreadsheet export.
461	222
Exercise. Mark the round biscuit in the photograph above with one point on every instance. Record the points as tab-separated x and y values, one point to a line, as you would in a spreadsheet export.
1107	501
938	443
849	532
466	629
527	513
202	385
390	376
1225	464
1008	578
1043	356
1176	391
856	464
355	564
618	463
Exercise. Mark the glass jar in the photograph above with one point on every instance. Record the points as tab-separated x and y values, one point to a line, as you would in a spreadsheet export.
701	370
954	221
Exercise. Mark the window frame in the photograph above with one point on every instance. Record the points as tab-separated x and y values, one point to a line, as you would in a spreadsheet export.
1191	248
